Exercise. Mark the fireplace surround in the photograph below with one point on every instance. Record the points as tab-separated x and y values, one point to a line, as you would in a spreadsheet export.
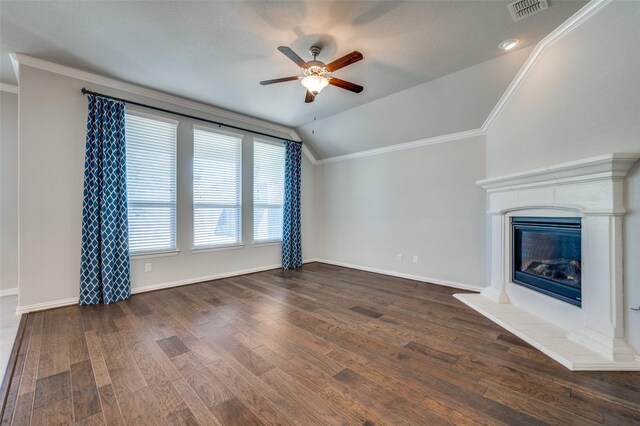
588	335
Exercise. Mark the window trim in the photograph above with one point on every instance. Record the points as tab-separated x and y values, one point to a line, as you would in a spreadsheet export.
149	255
175	250
222	246
217	248
263	243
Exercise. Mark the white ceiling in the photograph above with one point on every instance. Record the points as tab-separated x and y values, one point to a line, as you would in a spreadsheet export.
217	52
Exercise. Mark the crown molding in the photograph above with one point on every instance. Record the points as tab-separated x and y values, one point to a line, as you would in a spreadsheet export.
21	59
294	135
306	151
406	145
16	66
565	28
4	87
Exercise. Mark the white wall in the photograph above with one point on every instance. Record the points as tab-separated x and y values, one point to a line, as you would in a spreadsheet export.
52	136
415	202
8	191
456	102
580	100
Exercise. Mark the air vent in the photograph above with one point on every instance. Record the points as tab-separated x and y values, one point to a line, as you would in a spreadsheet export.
525	8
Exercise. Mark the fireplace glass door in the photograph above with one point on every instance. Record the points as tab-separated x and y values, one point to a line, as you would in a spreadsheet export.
547	256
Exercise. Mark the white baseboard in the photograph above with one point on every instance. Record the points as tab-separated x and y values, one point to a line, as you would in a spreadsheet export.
430	280
72	301
9	292
205	278
45	305
209	278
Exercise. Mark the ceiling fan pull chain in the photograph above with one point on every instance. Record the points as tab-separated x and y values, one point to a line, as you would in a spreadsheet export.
315	113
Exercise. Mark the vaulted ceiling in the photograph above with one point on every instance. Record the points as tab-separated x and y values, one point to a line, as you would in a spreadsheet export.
217	52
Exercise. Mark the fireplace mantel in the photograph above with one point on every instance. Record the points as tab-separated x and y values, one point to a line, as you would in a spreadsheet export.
605	167
590	337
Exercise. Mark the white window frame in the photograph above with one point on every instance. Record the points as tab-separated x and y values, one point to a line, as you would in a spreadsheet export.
169	251
216	247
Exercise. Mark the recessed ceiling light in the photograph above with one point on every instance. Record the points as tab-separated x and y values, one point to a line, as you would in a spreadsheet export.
509	44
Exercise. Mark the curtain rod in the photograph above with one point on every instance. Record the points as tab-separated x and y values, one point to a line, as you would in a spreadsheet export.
193	117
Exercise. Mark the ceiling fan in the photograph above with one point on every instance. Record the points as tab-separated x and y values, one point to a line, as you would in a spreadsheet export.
316	75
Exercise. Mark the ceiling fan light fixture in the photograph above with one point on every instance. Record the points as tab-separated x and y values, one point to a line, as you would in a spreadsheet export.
314	83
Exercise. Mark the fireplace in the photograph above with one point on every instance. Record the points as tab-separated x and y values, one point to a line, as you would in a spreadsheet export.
562	228
547	256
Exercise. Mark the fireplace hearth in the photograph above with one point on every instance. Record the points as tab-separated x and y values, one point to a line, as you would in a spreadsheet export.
547	256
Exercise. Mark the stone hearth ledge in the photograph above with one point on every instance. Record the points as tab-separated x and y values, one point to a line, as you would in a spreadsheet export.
544	336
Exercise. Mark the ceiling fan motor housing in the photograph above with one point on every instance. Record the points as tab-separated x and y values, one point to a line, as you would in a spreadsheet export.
316	67
315	51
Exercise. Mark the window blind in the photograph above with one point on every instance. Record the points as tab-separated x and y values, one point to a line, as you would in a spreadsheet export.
268	191
151	183
217	165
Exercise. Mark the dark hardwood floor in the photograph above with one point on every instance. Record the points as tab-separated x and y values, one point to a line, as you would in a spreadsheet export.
321	345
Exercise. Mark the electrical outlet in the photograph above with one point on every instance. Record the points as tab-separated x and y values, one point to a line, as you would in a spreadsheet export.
147	267
399	258
415	259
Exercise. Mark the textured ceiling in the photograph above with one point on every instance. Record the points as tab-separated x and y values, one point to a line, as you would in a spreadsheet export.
217	52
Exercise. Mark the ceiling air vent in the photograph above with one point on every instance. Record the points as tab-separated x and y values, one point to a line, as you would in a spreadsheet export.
524	8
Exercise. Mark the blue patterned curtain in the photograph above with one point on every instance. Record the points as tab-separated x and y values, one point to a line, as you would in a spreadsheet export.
104	269
291	238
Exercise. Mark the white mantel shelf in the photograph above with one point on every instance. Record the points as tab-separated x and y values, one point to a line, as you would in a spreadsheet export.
608	166
589	337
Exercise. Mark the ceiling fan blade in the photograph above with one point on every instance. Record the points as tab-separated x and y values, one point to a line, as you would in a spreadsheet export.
278	80
309	97
349	59
345	85
293	56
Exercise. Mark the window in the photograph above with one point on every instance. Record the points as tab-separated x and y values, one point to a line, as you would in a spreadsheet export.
216	188
151	183
268	191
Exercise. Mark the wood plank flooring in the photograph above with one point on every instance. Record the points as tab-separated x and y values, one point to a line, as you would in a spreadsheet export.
322	345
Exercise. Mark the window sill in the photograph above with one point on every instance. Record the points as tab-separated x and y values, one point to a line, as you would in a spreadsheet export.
266	243
151	254
218	248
